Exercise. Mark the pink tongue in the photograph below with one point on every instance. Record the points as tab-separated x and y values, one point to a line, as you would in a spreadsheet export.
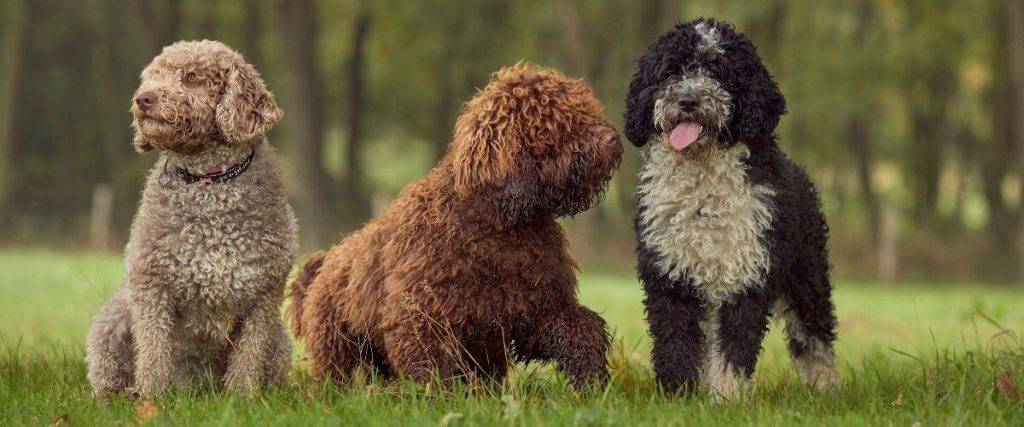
684	134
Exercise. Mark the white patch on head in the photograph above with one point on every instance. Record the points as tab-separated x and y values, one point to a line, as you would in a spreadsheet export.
817	366
709	38
704	220
717	375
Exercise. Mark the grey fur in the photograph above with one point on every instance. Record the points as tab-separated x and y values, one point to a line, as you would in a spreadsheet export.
205	267
710	41
713	112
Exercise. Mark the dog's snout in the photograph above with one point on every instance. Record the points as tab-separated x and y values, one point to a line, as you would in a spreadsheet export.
689	102
145	100
609	136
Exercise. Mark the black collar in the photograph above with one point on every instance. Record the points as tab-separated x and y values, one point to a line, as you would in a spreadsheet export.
225	175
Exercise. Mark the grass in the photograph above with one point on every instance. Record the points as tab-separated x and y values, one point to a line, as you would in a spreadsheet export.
908	354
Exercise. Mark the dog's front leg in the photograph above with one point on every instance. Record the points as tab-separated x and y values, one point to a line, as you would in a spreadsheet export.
152	324
735	329
673	316
257	348
429	352
576	338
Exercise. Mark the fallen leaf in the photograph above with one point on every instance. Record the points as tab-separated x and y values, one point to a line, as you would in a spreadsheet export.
1006	386
449	419
147	410
898	400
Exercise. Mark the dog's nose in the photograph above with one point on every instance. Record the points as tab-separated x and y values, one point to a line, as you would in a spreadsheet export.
145	100
609	136
689	102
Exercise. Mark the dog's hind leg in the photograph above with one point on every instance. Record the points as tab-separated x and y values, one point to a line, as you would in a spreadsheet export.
333	350
810	330
806	305
110	347
279	357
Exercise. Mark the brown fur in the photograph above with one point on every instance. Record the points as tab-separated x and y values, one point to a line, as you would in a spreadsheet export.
467	268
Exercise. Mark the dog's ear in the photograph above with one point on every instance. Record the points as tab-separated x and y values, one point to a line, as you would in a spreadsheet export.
247	109
758	102
657	64
483	161
640	109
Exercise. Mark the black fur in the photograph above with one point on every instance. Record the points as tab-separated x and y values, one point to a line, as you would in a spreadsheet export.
796	241
757	102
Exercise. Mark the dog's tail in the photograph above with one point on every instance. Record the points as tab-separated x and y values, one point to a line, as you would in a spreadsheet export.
298	290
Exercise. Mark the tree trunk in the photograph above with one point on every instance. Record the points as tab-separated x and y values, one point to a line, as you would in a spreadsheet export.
445	110
767	31
10	74
358	202
1015	26
1006	110
859	134
302	99
573	37
593	222
652	20
100	217
111	108
252	32
157	22
206	21
929	137
445	113
858	138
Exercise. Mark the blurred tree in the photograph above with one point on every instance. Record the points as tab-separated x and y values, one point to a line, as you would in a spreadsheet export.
357	200
859	125
303	100
10	78
903	112
1005	147
252	32
158	22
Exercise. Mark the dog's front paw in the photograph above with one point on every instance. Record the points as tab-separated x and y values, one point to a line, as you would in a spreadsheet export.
724	385
818	372
824	380
150	388
242	383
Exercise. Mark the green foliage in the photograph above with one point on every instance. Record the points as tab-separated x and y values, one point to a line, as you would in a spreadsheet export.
922	80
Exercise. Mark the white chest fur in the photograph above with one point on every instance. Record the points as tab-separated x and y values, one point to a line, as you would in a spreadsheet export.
704	220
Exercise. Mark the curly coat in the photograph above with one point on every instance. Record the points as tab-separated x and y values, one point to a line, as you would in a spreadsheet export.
728	226
468	268
206	261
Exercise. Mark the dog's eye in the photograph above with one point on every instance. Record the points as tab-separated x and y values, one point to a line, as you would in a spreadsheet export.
190	79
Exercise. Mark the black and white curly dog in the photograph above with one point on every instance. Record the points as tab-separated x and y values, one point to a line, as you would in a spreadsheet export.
729	228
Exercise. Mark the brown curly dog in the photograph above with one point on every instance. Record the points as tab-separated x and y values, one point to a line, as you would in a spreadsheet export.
467	268
213	240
